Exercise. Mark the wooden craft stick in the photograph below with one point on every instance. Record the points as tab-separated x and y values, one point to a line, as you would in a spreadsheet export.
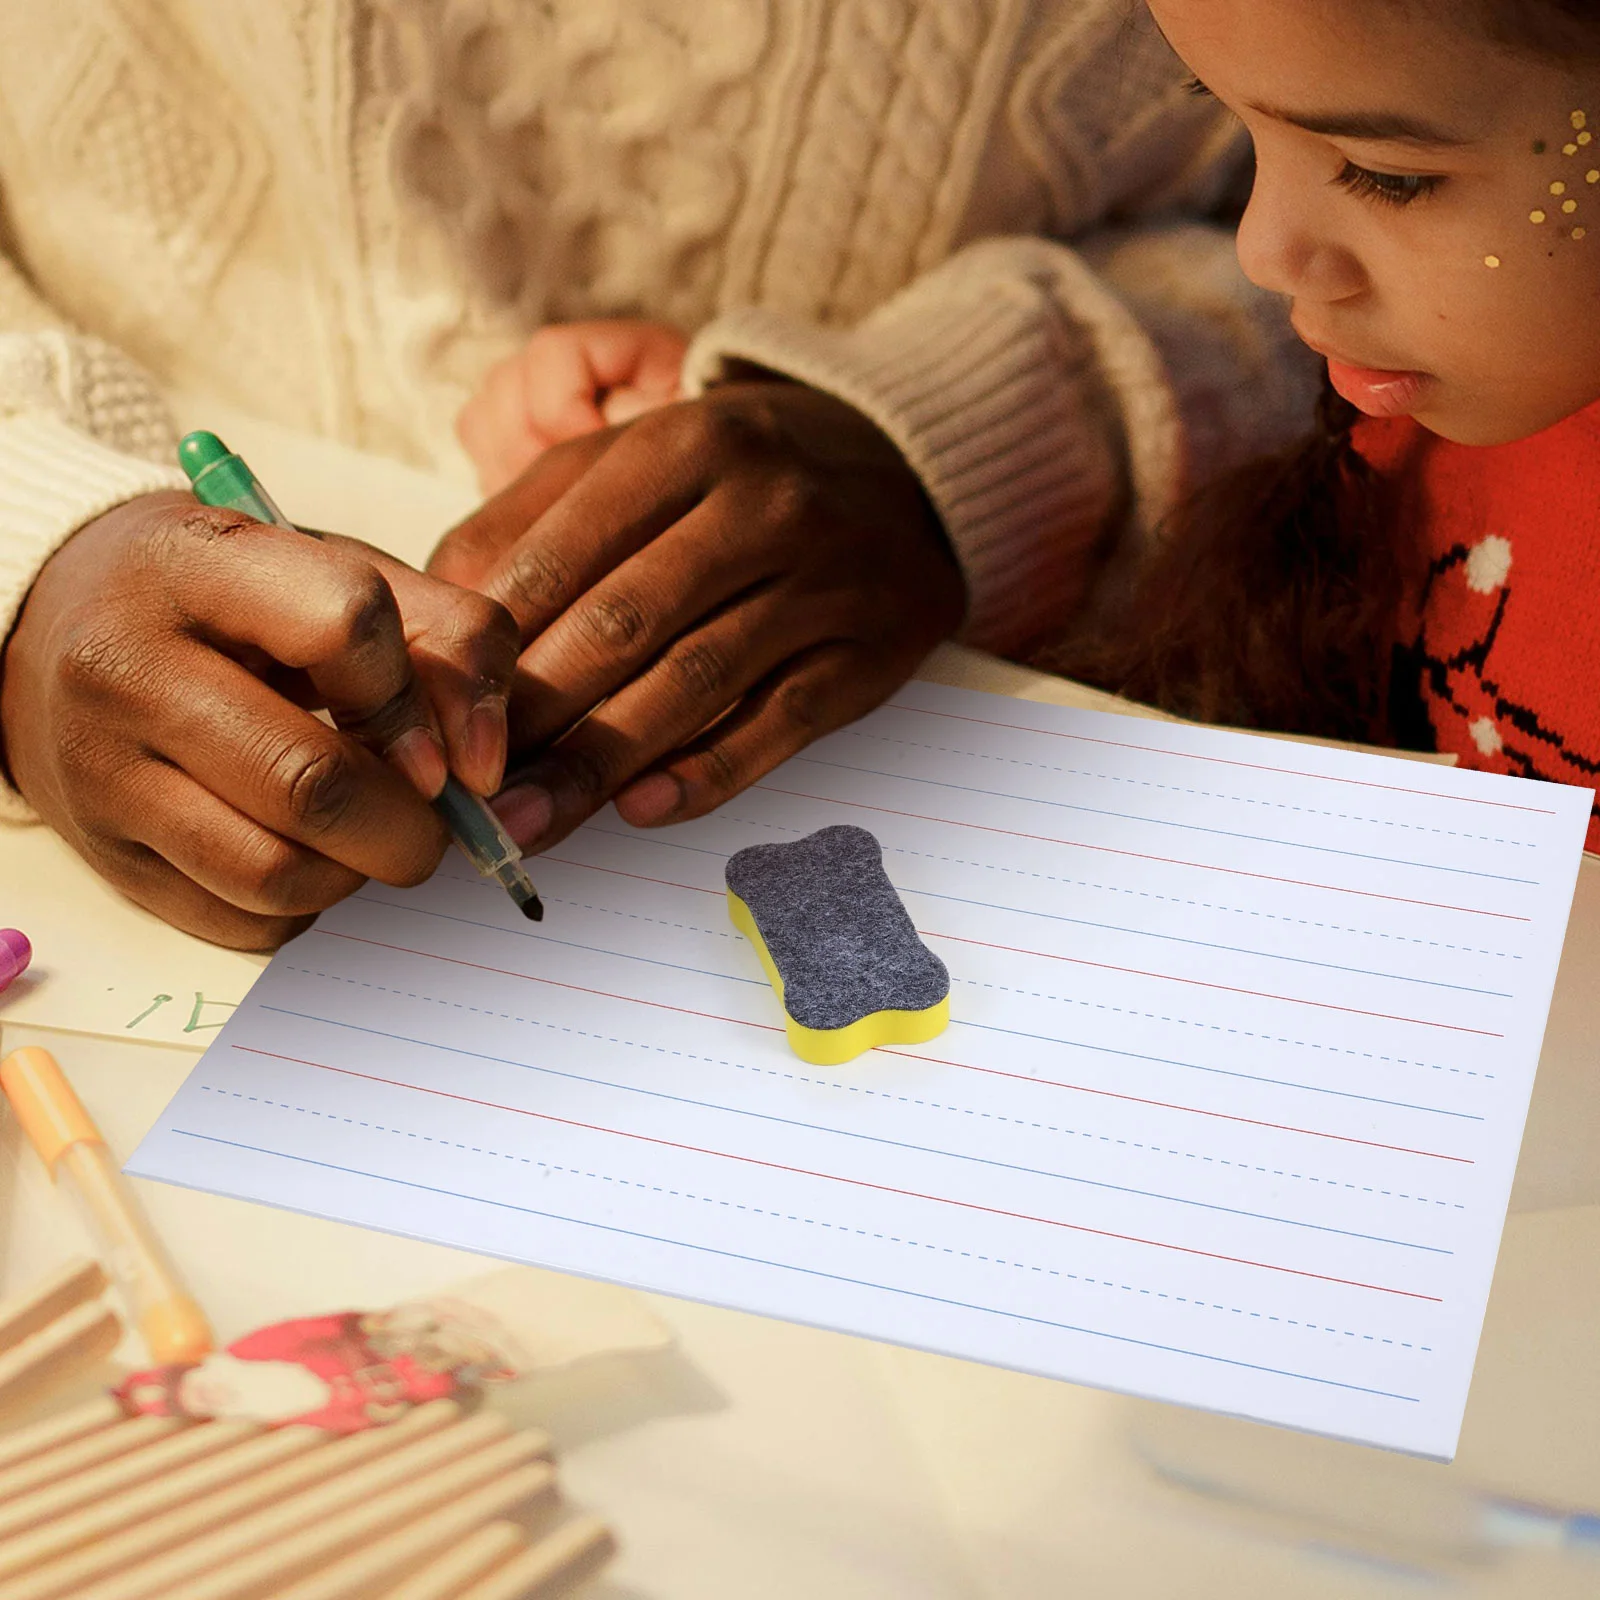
146	1501
81	1454
138	1466
558	1562
58	1352
287	1520
75	1284
121	1552
503	1468
366	1569
446	1576
25	1444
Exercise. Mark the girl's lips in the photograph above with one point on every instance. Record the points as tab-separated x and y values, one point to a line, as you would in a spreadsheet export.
1379	394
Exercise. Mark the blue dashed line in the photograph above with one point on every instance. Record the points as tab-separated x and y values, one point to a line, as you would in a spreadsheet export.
1153	1016
1156	822
877	1094
612	911
789	1216
1091	883
1204	794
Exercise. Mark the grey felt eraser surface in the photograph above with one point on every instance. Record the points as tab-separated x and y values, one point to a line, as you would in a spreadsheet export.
835	928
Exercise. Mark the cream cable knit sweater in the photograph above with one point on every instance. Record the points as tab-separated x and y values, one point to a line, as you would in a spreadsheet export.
336	212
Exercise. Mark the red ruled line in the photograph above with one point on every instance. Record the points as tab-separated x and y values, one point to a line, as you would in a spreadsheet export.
555	983
1139	855
1227	988
766	1027
1105	966
833	1177
617	872
1172	1105
1223	761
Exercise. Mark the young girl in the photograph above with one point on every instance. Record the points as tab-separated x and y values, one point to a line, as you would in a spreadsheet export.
1427	570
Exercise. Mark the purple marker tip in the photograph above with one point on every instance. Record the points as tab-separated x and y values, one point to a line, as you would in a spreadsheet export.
15	954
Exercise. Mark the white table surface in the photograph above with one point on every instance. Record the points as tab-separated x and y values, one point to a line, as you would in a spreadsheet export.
762	1459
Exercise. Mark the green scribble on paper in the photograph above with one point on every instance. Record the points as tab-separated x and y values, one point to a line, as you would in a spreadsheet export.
159	1001
194	1024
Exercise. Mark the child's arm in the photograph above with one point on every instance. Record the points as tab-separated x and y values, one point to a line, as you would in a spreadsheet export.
153	710
568	379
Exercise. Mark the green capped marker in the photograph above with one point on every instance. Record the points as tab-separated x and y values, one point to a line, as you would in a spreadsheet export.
220	478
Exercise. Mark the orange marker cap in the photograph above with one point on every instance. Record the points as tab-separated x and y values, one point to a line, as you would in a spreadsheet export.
51	1115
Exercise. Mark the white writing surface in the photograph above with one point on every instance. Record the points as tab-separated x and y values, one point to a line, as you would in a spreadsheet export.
1242	1044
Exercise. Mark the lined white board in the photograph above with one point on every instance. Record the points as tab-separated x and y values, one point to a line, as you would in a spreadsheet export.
1244	1036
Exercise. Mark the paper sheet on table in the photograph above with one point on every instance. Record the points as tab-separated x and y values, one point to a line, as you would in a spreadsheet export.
1228	1115
100	964
104	967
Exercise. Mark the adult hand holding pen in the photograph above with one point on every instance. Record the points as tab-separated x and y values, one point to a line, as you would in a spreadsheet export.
155	708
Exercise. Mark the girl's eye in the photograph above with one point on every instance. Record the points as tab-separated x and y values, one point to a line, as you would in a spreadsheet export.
1387	188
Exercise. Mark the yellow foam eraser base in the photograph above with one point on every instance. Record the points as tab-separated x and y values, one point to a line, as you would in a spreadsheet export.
828	1047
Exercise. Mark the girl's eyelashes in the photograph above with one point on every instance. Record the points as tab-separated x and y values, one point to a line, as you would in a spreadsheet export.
1387	188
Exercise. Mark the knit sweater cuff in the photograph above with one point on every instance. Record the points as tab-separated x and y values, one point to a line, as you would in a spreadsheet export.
1007	405
54	479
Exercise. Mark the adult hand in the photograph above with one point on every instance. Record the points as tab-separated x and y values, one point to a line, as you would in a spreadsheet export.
569	379
154	709
718	584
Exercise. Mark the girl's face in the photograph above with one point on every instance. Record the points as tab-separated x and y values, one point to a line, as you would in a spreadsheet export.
1429	200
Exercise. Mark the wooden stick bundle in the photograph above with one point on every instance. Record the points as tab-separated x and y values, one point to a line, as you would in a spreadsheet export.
96	1505
74	1285
53	1332
178	1449
145	1502
504	1464
28	1444
92	1450
400	1553
253	1522
327	1458
447	1575
568	1556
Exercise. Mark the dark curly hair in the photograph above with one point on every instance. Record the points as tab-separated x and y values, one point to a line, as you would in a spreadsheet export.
1273	594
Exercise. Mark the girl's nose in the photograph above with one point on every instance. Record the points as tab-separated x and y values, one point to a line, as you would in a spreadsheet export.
1285	248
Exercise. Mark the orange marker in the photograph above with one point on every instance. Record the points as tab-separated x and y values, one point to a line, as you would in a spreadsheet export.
76	1156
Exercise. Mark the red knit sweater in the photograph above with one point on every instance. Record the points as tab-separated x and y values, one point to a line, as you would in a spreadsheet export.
1499	658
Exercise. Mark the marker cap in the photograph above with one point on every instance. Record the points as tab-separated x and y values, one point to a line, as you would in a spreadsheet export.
15	954
51	1115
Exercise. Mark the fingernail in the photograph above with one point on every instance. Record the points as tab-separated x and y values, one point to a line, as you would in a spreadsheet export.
650	800
527	812
483	744
420	756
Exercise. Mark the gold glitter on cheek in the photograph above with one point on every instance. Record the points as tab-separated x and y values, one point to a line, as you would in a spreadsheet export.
1580	233
1491	261
1584	138
1592	177
1558	188
1569	149
1536	217
1580	119
1569	206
